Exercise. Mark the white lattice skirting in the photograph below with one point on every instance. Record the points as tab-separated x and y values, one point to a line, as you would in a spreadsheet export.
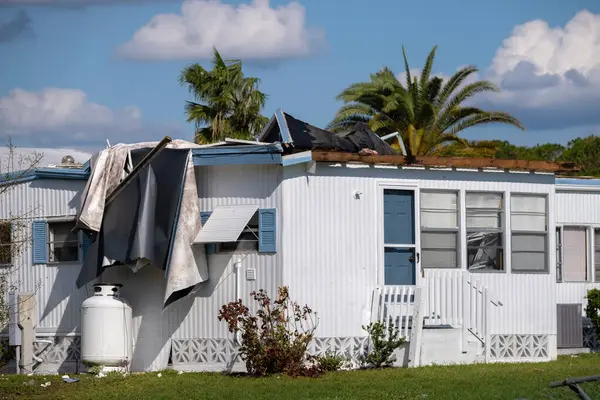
519	347
215	354
223	352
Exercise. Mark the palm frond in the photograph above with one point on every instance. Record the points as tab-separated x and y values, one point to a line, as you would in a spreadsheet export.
406	69
455	81
427	68
485	118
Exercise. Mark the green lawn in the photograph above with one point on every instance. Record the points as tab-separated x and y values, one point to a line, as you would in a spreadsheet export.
492	381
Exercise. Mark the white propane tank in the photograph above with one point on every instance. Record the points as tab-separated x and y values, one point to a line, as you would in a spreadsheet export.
106	329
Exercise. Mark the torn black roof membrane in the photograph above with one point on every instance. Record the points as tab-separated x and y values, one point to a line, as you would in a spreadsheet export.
305	136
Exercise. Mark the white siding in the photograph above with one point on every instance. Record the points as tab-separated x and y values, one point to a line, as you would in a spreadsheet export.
331	246
582	208
58	301
196	316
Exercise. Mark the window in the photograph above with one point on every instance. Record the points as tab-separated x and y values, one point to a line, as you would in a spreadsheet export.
597	255
575	259
247	241
529	226
559	255
484	232
6	247
258	234
63	244
439	229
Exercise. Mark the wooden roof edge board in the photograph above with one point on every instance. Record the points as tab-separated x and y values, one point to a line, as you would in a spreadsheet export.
438	162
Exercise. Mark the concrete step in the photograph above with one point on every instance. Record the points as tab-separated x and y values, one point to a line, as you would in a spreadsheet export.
444	346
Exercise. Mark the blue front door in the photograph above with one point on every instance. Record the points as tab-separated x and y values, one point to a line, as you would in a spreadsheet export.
399	237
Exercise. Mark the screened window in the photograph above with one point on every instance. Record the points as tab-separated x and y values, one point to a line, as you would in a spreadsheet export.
597	255
485	245
439	229
529	225
63	244
575	259
6	247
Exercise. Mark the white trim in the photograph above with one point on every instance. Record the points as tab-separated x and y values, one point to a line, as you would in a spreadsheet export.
408	185
462	228
241	141
576	188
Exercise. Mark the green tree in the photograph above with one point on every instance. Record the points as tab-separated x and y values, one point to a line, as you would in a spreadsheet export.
584	152
427	110
227	103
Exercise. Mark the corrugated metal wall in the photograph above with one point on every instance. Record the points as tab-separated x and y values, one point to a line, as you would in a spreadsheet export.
218	185
331	245
576	207
58	301
196	317
230	185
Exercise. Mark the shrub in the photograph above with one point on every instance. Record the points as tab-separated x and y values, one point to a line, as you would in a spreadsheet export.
276	338
592	310
330	361
380	351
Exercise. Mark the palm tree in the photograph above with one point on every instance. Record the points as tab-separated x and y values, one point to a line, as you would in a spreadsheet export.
228	104
427	111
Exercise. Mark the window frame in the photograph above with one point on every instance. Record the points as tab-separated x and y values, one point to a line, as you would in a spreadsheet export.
50	241
596	254
455	231
545	234
500	231
588	243
10	245
559	253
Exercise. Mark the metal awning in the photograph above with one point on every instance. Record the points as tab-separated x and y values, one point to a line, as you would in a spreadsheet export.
225	224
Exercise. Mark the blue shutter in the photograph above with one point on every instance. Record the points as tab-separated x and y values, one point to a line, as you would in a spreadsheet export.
39	233
86	242
267	232
211	248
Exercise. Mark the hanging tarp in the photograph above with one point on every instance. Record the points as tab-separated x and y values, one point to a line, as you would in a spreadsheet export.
152	220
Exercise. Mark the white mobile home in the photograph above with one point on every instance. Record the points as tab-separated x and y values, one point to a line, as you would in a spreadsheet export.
471	263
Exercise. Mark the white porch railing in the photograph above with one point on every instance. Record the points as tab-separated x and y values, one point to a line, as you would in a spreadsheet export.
450	298
402	306
395	304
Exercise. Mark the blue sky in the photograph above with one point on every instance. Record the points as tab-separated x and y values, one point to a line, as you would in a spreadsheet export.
76	74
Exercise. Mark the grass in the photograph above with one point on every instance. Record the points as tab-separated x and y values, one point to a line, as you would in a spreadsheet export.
491	381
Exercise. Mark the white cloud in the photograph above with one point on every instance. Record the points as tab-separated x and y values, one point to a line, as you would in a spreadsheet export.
550	76
246	31
63	115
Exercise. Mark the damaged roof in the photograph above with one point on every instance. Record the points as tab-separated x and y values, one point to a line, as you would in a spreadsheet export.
361	145
448	162
297	135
